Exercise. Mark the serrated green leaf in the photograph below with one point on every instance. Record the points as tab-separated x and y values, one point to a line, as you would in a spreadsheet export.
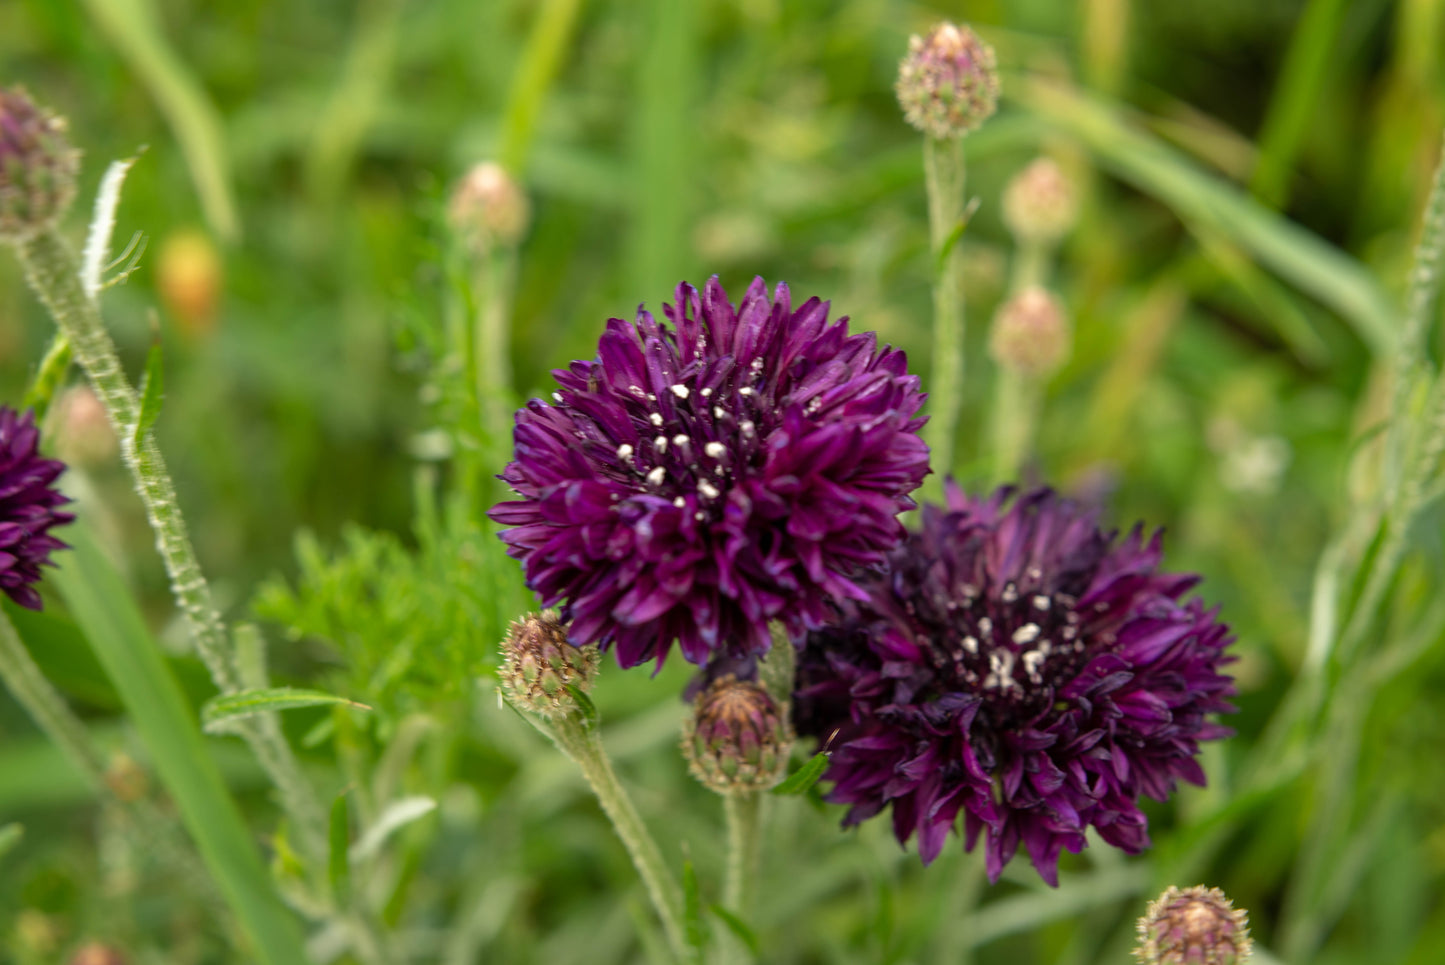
804	777
739	928
152	390
226	708
338	865
10	836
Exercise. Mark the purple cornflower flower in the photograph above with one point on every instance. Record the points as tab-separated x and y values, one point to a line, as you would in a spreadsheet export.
695	482
28	501
1021	666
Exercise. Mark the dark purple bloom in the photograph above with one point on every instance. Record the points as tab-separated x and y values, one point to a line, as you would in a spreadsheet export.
28	501
1023	667
696	481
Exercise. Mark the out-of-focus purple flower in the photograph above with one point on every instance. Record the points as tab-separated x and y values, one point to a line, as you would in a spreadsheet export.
1021	666
694	482
28	501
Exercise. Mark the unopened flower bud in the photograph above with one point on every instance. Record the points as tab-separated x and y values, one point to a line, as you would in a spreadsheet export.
1030	334
488	207
539	665
86	438
95	953
1039	204
1193	926
38	167
737	740
948	83
189	279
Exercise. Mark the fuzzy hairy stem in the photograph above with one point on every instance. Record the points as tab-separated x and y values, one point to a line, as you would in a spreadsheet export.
581	742
943	174
744	823
52	271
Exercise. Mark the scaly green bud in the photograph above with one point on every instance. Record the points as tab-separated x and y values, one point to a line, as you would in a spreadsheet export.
1030	334
1039	204
539	664
948	83
38	167
1193	926
736	740
488	207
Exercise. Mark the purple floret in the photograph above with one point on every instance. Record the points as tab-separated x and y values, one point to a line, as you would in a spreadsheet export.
694	482
28	501
1021	666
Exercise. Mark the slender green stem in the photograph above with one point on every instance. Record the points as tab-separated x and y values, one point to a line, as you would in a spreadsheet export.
45	706
583	744
744	821
1016	404
52	271
492	345
943	173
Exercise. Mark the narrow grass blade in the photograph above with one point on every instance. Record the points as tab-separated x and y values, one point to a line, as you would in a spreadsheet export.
339	864
105	612
10	836
533	78
1312	265
397	815
133	26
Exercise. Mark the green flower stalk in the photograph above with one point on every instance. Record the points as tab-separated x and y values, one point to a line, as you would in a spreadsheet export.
1194	926
947	86
546	678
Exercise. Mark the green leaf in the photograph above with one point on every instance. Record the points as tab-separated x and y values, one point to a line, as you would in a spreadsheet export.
339	864
152	390
739	928
117	632
398	814
590	716
1312	265
222	710
804	777
10	836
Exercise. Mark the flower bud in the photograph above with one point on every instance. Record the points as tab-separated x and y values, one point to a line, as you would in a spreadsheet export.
948	83
736	740
94	953
189	278
1039	204
86	438
38	167
1193	926
488	207
1030	334
539	664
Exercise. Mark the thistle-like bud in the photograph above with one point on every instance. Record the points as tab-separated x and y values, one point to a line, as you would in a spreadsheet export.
737	740
948	83
488	207
1039	204
1030	334
1193	926
539	664
38	167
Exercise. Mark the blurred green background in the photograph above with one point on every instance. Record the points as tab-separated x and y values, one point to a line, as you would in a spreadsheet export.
1224	380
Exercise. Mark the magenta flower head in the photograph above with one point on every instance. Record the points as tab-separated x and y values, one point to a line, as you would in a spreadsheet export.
1024	668
28	501
694	482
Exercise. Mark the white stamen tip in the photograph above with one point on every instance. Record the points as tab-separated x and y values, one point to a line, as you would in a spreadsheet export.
1027	633
655	418
657	475
680	390
624	451
715	449
708	489
1041	602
